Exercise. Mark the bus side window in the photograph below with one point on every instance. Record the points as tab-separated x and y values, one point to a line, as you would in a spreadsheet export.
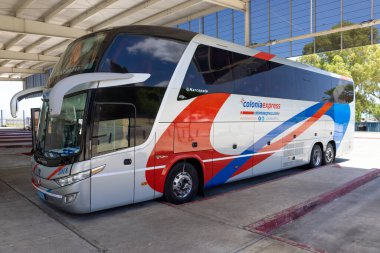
113	127
250	75
343	91
210	71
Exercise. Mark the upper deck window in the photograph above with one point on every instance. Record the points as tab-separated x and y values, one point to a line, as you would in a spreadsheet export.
79	57
143	54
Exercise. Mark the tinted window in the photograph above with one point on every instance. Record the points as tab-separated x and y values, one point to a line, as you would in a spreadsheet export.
251	76
147	101
209	72
214	70
143	54
343	91
281	82
313	86
81	56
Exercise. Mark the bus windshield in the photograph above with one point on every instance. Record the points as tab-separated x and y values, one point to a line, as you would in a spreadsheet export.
61	136
79	57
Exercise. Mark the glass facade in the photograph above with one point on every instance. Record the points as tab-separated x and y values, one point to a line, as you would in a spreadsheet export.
274	20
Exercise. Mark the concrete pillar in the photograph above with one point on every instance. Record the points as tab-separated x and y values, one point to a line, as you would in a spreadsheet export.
247	23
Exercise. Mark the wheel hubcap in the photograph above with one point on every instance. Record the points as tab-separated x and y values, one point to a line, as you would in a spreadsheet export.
317	157
329	154
182	185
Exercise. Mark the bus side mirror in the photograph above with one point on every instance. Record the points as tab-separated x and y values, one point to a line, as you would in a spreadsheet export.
20	96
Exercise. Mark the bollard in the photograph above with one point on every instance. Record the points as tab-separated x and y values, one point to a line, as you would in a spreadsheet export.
23	118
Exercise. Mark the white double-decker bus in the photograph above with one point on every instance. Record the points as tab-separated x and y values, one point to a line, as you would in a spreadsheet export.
135	113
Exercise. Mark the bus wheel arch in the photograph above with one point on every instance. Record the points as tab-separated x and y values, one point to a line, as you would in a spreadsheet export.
183	171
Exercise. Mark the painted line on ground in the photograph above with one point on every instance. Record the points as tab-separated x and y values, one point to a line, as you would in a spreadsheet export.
291	242
283	217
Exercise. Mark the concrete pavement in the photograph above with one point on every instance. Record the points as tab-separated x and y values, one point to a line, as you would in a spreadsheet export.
216	223
350	224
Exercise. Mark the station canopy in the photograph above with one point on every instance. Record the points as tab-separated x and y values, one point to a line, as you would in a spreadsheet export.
34	33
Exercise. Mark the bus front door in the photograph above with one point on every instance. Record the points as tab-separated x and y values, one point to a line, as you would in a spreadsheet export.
113	152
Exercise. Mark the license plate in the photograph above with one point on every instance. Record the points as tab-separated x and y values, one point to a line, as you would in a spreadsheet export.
41	195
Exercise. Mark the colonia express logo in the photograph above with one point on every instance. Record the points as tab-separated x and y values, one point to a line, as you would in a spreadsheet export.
259	104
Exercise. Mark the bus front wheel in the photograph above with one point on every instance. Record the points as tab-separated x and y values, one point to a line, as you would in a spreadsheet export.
316	156
181	184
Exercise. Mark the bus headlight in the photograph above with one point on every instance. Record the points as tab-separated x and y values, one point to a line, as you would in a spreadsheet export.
63	181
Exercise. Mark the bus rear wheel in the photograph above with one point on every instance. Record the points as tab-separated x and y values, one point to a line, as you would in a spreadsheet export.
329	154
316	156
181	184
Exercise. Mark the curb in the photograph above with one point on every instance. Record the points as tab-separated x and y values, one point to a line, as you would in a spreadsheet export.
283	217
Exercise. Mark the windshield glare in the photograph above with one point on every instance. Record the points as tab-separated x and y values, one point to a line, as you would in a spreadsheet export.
61	136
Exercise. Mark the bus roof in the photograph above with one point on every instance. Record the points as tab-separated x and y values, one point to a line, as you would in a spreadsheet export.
187	36
160	31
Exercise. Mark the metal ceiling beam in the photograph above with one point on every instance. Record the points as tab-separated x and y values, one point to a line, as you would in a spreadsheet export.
322	33
3	62
91	12
21	25
35	44
38	65
12	55
232	4
194	16
18	76
20	70
19	64
14	41
21	8
167	12
64	43
10	79
124	14
56	9
49	65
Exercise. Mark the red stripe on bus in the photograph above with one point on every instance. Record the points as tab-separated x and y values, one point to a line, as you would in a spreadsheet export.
247	112
264	56
35	167
55	171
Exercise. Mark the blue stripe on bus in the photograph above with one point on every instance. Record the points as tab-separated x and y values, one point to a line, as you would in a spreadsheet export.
340	113
223	175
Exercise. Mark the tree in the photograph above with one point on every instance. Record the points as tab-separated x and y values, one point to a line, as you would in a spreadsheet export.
360	63
352	38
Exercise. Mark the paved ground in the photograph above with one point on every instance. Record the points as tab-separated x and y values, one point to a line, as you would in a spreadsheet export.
350	224
217	223
366	153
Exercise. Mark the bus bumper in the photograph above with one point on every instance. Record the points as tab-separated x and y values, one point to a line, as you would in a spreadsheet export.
74	198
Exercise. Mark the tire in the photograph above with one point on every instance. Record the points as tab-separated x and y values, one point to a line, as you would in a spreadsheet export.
329	154
181	184
316	156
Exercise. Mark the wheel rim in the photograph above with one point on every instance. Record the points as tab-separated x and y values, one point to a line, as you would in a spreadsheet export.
182	185
329	154
317	157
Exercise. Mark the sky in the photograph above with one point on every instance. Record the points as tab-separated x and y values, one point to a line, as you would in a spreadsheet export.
7	90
